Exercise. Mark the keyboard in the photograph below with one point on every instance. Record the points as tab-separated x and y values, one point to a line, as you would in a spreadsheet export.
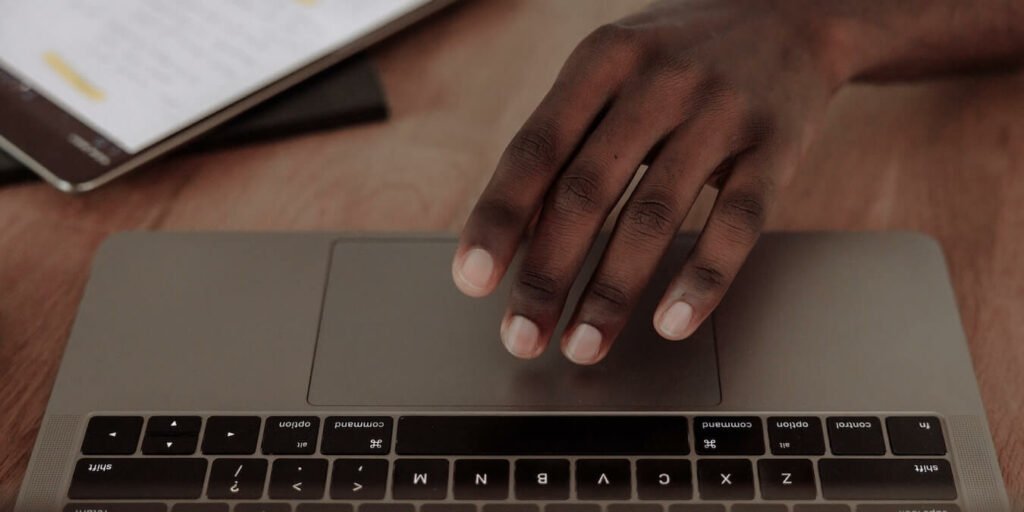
513	463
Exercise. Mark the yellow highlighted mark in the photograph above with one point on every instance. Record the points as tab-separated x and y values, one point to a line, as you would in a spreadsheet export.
307	3
77	81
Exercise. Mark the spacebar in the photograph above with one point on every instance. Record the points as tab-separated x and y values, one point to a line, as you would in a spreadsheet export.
542	435
886	479
138	478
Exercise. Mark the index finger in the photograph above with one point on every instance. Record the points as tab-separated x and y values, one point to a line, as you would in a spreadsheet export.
529	165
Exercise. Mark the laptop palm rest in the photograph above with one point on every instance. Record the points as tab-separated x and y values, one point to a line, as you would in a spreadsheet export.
395	332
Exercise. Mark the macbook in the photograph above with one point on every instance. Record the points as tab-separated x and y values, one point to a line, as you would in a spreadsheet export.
330	373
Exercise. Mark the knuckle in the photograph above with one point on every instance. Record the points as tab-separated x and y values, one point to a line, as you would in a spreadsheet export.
534	149
614	37
499	215
612	294
651	217
744	212
579	192
536	285
708	277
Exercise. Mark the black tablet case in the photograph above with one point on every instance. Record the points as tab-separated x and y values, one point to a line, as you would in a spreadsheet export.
344	94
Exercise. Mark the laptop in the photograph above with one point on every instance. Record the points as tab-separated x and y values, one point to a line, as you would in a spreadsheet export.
330	373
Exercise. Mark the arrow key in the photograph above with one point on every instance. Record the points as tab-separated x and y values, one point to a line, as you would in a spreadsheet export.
231	435
173	425
168	445
298	479
359	479
112	435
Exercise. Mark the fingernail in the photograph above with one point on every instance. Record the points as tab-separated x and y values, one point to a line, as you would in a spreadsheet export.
675	322
474	274
584	344
520	337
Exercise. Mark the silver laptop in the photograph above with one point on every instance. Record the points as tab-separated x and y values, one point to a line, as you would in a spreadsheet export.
324	373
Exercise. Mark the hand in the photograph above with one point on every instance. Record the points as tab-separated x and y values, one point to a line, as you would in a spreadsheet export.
727	93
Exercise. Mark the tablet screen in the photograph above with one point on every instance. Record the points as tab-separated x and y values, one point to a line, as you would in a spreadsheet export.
133	72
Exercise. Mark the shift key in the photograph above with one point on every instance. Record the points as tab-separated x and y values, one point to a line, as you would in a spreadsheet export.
138	478
886	479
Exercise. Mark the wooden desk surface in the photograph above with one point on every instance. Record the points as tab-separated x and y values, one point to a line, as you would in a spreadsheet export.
945	158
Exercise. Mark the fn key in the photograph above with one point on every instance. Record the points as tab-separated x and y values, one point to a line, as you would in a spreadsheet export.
917	435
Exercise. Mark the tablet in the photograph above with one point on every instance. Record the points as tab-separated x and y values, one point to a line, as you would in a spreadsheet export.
90	89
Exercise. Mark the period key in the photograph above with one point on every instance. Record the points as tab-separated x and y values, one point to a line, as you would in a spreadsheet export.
357	435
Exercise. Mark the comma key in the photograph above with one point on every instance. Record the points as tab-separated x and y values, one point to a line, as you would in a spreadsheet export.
359	479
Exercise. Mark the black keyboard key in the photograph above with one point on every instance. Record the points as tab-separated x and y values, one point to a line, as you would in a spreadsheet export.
359	479
542	435
910	507
481	479
231	435
389	507
447	507
511	508
168	445
860	435
240	479
919	435
603	479
352	435
622	507
174	425
324	507
420	479
112	435
572	508
298	479
138	478
200	507
725	479
796	435
542	479
759	508
664	479
291	435
263	507
787	479
886	479
696	508
115	507
817	507
728	435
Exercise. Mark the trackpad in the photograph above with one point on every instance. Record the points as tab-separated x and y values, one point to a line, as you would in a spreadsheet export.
396	333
